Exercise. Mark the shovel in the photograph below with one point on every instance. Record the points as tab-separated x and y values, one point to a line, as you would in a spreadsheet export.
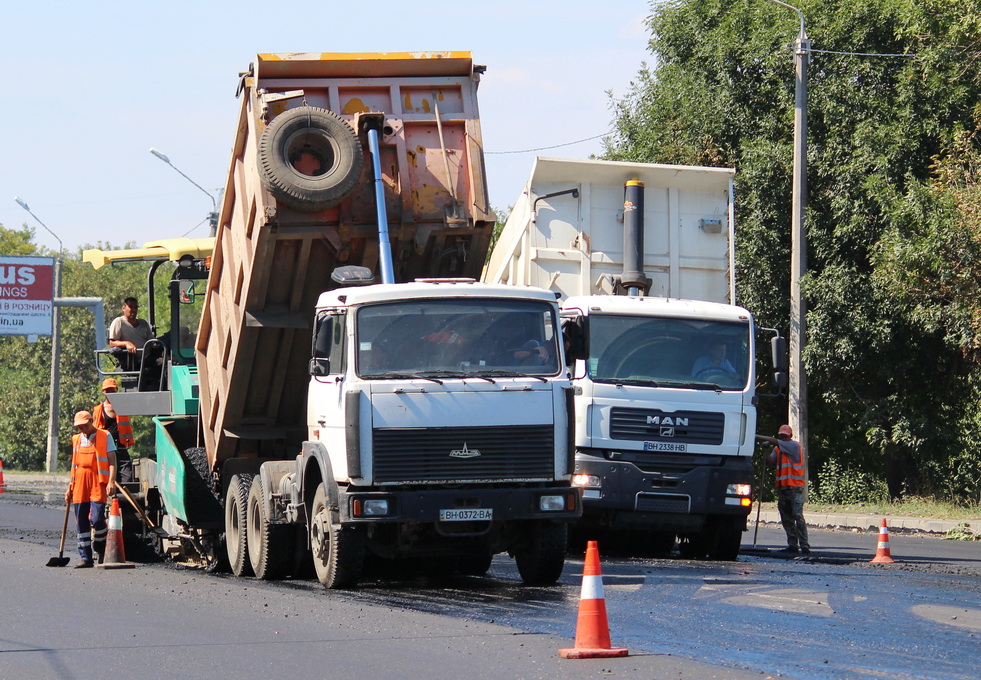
61	561
159	531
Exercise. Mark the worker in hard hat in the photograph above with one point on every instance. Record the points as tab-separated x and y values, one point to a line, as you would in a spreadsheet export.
104	417
93	475
788	457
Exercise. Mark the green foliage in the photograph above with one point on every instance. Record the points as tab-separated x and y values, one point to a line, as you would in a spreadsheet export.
893	248
837	485
962	532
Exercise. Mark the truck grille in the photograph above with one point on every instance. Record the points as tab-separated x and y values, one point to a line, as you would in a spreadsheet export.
463	454
680	427
654	502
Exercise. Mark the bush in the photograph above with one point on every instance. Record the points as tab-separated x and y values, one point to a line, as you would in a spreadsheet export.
838	485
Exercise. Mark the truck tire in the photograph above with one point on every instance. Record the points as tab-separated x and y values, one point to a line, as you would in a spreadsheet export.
338	552
270	545
725	537
309	158
540	556
236	520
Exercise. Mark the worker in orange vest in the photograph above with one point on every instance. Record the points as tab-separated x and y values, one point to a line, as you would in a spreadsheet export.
788	457
104	417
92	482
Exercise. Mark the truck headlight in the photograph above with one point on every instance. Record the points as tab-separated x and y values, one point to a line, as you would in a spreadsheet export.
586	480
739	490
376	507
551	503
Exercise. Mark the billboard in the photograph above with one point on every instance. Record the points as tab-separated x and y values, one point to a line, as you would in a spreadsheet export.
26	292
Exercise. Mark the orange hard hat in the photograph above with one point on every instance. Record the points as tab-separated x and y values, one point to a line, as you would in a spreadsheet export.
109	382
785	429
81	418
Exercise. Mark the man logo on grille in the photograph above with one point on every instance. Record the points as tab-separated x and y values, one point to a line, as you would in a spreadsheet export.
464	452
667	431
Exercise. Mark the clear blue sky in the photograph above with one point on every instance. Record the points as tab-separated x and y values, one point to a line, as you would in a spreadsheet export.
89	87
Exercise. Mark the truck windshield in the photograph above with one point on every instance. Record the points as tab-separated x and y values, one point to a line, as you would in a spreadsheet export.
472	337
669	352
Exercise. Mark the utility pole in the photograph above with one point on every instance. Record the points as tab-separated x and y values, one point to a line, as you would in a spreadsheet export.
797	406
54	387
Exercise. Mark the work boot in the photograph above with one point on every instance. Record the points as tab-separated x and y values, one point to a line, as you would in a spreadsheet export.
84	564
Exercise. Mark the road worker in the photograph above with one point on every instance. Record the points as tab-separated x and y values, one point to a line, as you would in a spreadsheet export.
92	481
788	457
104	417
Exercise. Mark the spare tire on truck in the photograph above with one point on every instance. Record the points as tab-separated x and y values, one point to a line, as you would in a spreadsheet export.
310	159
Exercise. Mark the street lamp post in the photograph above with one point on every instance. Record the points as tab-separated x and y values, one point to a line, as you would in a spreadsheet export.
54	390
213	215
797	407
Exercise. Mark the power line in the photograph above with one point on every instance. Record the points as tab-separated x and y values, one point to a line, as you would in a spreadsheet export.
545	148
862	54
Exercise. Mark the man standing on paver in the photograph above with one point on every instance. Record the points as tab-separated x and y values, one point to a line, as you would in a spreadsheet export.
788	457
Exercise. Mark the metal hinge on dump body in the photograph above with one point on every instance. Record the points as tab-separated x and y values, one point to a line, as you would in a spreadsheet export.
266	99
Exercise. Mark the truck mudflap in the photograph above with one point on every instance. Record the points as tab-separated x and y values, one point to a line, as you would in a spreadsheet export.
475	508
677	493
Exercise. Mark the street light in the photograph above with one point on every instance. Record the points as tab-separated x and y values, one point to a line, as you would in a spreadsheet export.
55	384
213	215
797	407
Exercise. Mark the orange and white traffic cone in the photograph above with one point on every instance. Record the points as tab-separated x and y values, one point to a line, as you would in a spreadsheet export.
592	628
115	552
882	554
3	484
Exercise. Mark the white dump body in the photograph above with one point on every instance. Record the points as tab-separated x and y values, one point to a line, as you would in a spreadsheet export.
574	244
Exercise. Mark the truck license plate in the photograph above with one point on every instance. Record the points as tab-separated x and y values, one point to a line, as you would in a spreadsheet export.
670	447
467	515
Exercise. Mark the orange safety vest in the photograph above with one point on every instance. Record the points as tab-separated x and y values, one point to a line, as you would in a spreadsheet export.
90	468
124	428
789	473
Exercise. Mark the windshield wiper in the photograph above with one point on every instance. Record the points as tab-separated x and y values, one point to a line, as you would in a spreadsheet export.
502	373
701	386
404	376
647	382
459	374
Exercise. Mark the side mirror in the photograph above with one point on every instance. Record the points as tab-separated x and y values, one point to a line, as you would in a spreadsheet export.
319	367
574	340
780	381
778	350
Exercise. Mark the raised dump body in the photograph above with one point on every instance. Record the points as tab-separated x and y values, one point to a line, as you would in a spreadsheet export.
299	201
565	231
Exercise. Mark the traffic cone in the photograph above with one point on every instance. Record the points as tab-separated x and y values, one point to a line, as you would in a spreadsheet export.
115	552
882	554
592	629
3	484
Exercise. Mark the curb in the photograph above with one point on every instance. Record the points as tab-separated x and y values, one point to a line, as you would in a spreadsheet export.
872	522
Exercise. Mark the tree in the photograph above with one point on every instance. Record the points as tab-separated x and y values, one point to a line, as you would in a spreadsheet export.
887	391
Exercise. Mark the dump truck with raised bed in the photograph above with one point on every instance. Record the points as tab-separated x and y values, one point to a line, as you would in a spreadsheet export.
663	360
339	419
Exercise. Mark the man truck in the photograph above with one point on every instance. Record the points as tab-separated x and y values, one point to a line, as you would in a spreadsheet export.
664	370
326	419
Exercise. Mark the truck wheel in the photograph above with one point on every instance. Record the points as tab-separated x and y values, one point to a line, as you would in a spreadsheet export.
541	555
725	538
474	564
338	553
236	520
270	545
309	158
